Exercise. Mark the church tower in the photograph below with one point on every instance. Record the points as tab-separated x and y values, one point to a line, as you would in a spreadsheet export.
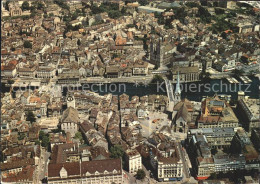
161	53
71	101
177	93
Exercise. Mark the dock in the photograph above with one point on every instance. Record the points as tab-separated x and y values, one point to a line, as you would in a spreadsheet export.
245	79
232	80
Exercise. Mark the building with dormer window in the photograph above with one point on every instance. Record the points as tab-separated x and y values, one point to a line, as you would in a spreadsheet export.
89	172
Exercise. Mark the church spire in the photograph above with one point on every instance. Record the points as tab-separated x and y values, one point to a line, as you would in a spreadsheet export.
178	89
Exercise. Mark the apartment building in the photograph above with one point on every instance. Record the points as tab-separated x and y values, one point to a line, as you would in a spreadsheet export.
133	160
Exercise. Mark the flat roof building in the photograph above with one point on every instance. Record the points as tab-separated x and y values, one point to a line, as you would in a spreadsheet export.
148	9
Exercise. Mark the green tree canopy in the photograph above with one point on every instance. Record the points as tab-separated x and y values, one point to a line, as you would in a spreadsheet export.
143	2
140	174
25	5
62	4
27	44
204	15
30	117
78	136
41	134
44	139
116	151
114	14
6	5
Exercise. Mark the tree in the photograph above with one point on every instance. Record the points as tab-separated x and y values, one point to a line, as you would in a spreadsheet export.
192	4
97	10
27	44
7	5
140	174
41	134
45	141
25	5
204	15
37	5
143	2
116	151
78	136
114	14
37	142
40	6
123	10
30	117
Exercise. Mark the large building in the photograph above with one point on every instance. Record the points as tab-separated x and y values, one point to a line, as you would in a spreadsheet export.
148	9
183	116
225	163
216	137
249	110
170	168
89	172
216	113
186	74
161	52
133	161
70	121
202	160
45	72
14	9
241	144
255	138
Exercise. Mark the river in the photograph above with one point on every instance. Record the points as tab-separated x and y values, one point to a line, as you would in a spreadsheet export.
192	91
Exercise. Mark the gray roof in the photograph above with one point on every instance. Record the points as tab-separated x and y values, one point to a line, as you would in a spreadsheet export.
70	115
183	112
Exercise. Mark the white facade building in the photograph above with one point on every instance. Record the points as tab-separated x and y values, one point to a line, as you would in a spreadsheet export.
134	161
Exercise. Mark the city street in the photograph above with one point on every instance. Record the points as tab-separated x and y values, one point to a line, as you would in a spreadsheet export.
186	172
41	170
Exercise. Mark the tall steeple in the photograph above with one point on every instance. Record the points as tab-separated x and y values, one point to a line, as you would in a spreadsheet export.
177	93
178	88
